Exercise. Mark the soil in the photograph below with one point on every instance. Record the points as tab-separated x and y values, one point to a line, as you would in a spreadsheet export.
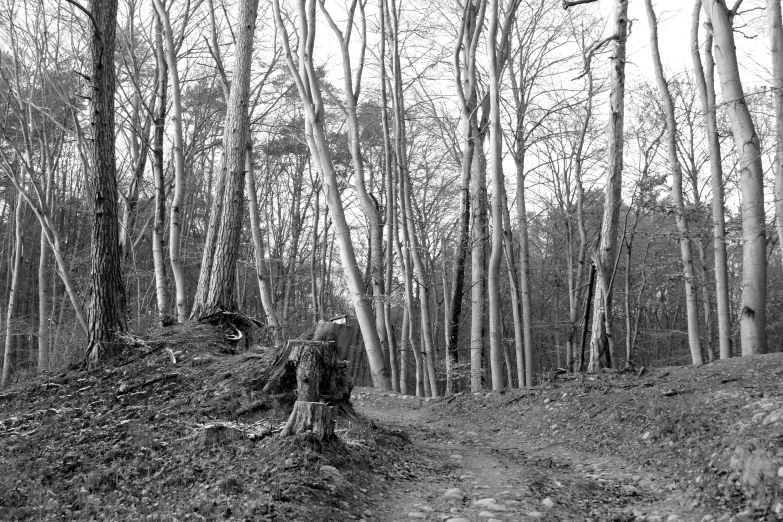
177	429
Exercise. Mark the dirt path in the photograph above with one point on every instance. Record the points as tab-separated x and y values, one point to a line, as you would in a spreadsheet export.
481	473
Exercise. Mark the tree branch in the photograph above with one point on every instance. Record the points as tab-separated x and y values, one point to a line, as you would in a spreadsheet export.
571	3
89	15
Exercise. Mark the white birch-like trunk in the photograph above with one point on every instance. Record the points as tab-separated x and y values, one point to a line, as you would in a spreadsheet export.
309	90
705	82
13	294
686	252
159	220
262	269
753	306
496	175
775	28
175	218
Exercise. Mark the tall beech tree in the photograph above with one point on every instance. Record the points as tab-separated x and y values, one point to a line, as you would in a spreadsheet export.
704	73
309	88
753	306
679	206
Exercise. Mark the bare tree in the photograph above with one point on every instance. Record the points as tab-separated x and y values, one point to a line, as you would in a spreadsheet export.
676	170
753	307
309	89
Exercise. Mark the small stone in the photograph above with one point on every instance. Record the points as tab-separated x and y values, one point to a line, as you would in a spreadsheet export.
493	520
456	457
486	514
457	520
453	493
630	490
547	400
427	509
548	503
367	513
654	518
485	502
778	509
535	514
331	472
417	514
673	518
707	518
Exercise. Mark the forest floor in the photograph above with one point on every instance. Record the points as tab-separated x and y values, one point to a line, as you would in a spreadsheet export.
176	430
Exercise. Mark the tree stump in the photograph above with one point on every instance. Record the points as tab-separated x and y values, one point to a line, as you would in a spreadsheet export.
342	335
315	362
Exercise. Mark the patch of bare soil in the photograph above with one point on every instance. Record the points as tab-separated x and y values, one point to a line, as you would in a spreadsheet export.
685	443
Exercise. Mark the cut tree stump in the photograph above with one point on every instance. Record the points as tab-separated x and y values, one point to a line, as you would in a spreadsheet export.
315	362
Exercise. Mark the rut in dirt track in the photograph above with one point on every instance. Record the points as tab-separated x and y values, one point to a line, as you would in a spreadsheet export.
483	473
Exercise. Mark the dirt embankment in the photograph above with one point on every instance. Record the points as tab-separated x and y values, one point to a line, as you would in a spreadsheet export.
181	428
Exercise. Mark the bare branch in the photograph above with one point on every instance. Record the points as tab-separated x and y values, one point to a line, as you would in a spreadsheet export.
571	3
89	15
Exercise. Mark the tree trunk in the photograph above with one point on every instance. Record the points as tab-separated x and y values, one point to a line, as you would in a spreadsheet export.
496	175
308	87
315	362
775	27
470	30
391	214
674	163
409	223
478	262
262	270
106	310
158	241
706	86
753	318
612	200
175	219
9	356
222	277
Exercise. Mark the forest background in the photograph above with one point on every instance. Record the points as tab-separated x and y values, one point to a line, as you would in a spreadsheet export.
440	173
